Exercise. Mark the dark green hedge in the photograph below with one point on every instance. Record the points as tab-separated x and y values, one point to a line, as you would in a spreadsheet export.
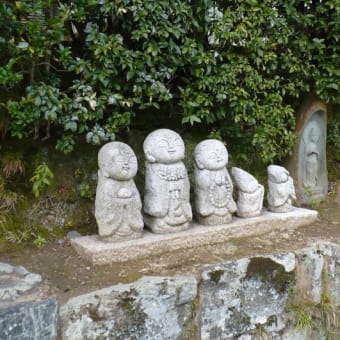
94	67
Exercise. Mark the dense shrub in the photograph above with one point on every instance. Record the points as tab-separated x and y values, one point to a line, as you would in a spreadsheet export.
92	67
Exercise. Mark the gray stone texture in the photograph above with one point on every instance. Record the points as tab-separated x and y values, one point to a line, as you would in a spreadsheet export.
281	191
167	206
93	249
150	308
238	296
31	320
15	281
319	272
118	204
249	193
247	299
308	164
24	314
214	203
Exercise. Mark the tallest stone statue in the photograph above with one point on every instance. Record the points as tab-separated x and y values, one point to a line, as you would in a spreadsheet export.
308	165
167	206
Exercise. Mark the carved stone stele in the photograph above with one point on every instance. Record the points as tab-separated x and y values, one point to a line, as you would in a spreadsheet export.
308	164
281	191
118	204
249	193
214	203
167	190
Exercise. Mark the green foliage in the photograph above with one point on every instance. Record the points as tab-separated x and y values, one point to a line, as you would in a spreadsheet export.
41	179
86	191
40	241
304	320
240	68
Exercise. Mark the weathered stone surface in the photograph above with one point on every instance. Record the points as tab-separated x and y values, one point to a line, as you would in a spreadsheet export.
249	193
99	253
118	204
23	312
32	320
331	253
150	308
167	206
16	281
309	274
73	234
308	164
214	203
319	272
237	297
281	191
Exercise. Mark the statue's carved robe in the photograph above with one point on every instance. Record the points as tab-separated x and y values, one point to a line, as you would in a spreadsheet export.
118	208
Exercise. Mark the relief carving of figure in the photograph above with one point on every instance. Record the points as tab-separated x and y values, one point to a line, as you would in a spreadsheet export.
214	203
249	193
281	191
118	205
167	190
311	137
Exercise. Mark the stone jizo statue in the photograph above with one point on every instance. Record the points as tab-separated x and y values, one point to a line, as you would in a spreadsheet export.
281	191
214	203
167	190
249	193
118	204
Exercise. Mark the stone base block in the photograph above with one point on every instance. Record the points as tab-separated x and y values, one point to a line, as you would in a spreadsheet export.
99	252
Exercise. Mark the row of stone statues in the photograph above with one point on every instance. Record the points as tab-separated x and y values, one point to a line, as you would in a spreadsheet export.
166	206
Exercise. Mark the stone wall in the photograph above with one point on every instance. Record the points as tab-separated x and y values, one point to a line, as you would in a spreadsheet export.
274	296
284	296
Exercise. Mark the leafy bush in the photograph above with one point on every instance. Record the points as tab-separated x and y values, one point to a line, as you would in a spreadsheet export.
240	68
41	179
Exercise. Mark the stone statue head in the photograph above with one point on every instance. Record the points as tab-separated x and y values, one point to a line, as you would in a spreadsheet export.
312	133
164	146
117	160
211	154
277	174
243	180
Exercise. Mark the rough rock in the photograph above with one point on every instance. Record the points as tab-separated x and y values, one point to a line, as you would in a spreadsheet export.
150	308
24	313
35	320
16	281
319	272
238	296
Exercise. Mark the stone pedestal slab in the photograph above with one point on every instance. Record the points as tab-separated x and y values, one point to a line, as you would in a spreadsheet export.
99	252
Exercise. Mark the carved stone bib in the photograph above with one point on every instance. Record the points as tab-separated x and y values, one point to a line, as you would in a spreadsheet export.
171	173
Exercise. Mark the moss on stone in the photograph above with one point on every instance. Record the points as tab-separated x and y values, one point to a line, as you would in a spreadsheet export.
215	275
271	271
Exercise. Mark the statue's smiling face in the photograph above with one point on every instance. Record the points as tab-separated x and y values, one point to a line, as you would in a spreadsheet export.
211	155
123	166
117	161
165	146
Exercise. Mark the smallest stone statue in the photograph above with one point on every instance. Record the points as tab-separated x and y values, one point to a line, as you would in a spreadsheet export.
214	203
249	193
281	191
118	204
